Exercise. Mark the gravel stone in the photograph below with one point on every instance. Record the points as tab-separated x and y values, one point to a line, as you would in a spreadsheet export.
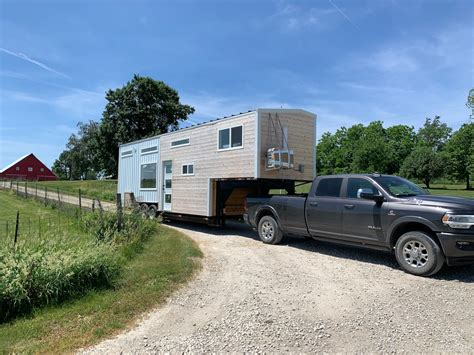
303	297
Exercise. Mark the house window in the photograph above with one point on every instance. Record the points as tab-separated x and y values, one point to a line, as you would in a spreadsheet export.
42	170
230	138
187	169
180	143
30	169
149	150
127	153
148	176
17	168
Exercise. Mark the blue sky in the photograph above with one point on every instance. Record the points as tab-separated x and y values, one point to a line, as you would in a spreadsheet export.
347	61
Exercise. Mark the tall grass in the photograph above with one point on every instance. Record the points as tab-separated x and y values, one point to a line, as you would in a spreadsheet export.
42	272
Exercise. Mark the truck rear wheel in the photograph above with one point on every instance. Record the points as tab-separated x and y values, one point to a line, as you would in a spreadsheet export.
269	231
418	254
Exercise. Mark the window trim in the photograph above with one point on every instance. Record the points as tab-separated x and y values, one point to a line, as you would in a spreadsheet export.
187	164
156	179
154	151
230	138
126	154
180	145
30	169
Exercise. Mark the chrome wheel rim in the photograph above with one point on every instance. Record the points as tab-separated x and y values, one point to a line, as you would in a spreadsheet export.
267	230
415	254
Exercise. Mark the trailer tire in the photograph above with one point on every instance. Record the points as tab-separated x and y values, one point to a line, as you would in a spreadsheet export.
269	231
144	209
152	211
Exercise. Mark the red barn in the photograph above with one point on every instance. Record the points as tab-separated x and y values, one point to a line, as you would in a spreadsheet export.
27	167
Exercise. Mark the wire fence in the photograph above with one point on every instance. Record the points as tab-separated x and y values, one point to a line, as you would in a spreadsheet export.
65	214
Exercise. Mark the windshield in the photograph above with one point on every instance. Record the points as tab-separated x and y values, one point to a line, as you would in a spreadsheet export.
399	187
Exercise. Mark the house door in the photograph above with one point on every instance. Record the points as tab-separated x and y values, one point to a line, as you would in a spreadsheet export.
167	181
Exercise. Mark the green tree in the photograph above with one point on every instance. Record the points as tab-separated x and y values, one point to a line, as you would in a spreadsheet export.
434	133
459	152
144	107
371	153
423	164
79	159
402	140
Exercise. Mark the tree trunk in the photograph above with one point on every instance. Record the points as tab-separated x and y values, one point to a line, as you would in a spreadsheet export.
427	183
468	183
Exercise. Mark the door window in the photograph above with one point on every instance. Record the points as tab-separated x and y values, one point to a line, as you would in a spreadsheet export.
330	187
354	184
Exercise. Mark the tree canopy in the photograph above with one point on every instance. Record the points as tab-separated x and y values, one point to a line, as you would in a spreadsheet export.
430	153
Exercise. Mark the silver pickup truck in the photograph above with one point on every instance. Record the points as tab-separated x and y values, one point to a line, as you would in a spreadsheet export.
374	211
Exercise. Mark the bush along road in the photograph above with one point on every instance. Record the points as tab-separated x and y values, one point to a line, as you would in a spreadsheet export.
304	296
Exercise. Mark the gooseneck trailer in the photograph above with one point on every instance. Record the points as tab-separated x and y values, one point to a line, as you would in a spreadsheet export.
204	172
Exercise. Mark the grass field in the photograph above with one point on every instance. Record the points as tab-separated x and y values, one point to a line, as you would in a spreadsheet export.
450	190
150	272
168	259
102	189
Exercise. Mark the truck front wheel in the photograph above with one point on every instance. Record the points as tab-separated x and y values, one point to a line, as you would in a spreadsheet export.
269	231
418	254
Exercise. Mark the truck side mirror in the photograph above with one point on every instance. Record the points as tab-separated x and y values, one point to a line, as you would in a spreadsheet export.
368	194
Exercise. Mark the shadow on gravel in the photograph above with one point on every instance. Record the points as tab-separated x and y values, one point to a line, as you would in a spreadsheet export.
455	273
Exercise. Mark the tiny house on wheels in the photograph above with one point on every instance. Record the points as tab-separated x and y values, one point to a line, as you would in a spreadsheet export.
204	172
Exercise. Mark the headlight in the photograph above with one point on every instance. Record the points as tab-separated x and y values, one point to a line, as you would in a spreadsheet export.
458	221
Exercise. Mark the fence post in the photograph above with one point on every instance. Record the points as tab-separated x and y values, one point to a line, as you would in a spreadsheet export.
17	187
45	195
119	213
26	189
16	227
11	184
80	200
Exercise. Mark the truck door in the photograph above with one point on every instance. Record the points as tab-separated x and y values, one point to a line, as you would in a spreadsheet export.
324	208
361	218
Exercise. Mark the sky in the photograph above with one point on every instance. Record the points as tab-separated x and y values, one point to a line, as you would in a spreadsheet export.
348	61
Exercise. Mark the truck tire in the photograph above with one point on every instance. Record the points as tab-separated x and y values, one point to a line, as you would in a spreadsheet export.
418	254
269	231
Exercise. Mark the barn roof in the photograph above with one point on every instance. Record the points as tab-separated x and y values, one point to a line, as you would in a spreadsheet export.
15	162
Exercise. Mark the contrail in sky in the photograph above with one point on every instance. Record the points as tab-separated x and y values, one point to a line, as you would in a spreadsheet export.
35	62
344	14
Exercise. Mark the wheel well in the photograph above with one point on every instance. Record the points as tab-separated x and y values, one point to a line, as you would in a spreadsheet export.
410	227
263	213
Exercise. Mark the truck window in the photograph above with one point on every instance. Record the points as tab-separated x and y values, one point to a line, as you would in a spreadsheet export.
329	187
354	184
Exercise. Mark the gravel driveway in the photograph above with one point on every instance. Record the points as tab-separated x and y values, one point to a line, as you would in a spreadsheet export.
304	296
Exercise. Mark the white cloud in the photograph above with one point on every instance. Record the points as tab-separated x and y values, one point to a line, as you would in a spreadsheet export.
24	57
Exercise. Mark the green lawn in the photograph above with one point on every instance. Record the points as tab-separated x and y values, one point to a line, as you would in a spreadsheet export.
102	189
450	190
169	258
36	220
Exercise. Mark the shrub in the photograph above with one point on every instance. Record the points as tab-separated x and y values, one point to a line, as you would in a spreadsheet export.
104	227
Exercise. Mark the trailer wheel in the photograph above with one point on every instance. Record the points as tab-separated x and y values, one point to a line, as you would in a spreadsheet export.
152	210
269	231
144	209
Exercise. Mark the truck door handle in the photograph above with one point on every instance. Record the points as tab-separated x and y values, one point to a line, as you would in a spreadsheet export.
349	207
313	204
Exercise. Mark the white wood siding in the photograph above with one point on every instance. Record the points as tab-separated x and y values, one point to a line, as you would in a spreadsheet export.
191	193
